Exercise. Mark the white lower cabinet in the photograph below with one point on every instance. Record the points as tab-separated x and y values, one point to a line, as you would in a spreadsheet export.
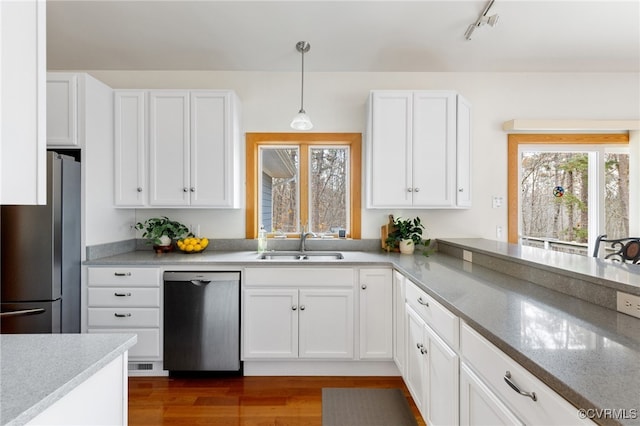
127	300
535	404
480	406
399	321
376	313
431	372
298	313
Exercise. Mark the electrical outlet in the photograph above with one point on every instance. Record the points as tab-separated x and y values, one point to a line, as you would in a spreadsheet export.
467	255
629	304
496	202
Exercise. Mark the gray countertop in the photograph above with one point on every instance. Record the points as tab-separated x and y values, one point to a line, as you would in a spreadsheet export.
36	370
586	353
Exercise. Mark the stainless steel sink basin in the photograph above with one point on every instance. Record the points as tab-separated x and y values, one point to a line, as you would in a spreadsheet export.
301	255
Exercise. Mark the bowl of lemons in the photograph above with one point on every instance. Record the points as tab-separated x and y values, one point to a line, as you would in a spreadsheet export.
192	244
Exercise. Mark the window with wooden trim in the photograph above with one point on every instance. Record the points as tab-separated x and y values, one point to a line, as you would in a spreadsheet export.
566	189
303	182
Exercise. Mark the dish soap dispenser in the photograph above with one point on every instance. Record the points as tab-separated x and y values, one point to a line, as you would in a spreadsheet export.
262	240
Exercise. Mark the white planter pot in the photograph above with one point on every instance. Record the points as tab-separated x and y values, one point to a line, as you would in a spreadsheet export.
407	246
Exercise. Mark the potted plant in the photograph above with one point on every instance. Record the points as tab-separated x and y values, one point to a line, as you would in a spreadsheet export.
407	234
161	231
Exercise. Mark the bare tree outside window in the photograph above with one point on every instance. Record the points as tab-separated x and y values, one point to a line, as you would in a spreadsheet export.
328	189
555	202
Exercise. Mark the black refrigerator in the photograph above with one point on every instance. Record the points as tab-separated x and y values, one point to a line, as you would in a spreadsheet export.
41	256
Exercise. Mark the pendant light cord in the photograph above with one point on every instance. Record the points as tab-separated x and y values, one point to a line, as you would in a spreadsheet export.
302	83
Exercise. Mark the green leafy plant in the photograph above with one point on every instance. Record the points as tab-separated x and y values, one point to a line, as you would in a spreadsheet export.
156	227
407	229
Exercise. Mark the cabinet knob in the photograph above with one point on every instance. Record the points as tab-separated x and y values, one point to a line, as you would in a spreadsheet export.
416	189
302	307
294	307
364	286
139	189
193	189
460	189
409	189
423	350
185	189
419	345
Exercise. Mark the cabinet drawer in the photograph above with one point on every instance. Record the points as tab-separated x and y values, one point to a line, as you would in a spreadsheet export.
442	321
491	364
125	276
124	317
148	345
299	277
118	297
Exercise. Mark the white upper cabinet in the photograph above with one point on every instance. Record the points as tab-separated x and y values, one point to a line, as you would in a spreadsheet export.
169	148
23	165
412	153
62	109
131	150
177	149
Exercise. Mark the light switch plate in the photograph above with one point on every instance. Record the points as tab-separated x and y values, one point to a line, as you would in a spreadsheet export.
629	304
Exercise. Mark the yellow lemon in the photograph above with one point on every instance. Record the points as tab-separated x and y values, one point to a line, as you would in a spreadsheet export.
197	247
189	247
204	242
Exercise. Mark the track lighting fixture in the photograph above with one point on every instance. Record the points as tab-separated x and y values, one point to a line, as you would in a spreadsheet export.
483	19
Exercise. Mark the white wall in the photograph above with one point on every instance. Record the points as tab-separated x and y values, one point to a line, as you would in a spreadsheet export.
336	103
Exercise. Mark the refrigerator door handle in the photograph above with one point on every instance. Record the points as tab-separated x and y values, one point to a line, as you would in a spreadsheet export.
23	312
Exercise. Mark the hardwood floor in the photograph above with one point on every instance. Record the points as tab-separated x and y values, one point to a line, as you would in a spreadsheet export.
240	401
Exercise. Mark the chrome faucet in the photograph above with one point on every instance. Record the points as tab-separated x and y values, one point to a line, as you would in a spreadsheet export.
303	238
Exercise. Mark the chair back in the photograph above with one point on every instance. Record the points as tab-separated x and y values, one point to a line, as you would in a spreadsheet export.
620	249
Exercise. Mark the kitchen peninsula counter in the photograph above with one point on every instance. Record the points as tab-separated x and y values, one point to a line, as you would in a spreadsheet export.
38	370
585	352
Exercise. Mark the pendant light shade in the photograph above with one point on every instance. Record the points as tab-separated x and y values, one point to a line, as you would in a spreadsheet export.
302	121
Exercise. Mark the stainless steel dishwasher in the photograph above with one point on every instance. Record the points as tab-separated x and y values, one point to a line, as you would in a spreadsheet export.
202	321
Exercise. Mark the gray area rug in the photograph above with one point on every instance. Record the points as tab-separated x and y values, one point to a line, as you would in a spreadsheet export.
365	407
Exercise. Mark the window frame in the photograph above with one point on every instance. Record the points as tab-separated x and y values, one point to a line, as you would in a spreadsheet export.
304	140
514	144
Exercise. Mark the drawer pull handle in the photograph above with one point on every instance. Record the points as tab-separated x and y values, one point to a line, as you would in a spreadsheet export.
422	302
122	294
507	378
122	274
122	315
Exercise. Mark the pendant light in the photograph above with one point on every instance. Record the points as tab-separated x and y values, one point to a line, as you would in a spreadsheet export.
302	121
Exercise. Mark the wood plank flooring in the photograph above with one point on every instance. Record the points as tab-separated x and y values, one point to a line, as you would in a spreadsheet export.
240	401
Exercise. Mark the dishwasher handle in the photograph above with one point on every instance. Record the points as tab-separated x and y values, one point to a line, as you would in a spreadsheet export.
200	283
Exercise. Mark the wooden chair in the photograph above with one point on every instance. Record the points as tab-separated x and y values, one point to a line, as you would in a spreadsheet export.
623	249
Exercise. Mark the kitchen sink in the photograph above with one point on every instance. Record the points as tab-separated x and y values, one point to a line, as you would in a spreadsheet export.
301	255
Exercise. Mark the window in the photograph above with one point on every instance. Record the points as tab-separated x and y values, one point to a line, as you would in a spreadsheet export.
309	180
569	189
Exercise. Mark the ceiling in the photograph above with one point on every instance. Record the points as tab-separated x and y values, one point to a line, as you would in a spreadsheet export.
345	36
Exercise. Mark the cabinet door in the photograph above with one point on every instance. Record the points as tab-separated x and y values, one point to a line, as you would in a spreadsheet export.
415	369
441	393
326	323
434	149
376	314
389	152
212	151
399	345
23	108
130	149
169	148
270	323
62	109
463	153
478	405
